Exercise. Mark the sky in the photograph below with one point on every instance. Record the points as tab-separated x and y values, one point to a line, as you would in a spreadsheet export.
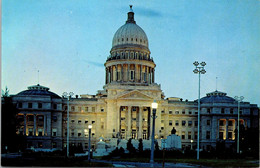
68	42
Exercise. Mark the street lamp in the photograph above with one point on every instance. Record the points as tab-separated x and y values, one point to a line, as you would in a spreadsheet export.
238	99
89	141
199	70
191	141
68	96
154	107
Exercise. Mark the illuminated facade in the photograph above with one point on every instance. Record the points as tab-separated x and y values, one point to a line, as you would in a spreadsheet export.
123	108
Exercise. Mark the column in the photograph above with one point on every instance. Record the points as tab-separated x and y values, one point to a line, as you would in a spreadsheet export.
141	73
153	75
112	73
135	73
122	72
129	118
128	67
116	73
226	129
34	127
106	75
44	126
217	129
24	128
140	123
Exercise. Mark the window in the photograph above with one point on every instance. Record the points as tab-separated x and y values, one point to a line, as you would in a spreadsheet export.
54	132
93	122
183	112
221	122
40	118
189	123
72	108
162	111
39	105
54	144
170	112
79	121
72	120
196	112
30	130
222	110
196	135
86	121
132	74
39	132
79	134
30	118
177	123
162	128
189	135
102	110
170	122
93	109
176	112
196	123
190	112
208	110
230	123
79	109
221	135
54	118
55	106
183	123
231	111
86	109
183	135
230	135
29	105
162	121
208	135
20	105
208	122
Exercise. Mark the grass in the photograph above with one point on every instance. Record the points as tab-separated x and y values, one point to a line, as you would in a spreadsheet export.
216	162
203	162
50	162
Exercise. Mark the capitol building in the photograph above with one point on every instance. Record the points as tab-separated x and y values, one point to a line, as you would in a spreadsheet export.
123	108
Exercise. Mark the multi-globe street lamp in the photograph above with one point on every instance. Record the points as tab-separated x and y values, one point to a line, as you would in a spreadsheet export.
89	141
154	107
199	69
238	99
68	96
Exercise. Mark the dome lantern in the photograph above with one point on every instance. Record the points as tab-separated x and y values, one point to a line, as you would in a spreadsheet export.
131	14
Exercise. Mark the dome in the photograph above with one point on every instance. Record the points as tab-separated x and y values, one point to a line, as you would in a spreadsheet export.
39	91
130	33
217	97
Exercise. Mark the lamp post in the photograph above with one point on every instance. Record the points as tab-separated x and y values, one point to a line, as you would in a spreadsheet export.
89	141
154	107
191	141
199	70
68	96
238	99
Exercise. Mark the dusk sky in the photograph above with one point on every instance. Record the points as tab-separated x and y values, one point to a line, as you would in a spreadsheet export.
68	41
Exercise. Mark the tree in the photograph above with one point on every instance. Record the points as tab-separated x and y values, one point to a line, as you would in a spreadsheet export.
11	141
140	146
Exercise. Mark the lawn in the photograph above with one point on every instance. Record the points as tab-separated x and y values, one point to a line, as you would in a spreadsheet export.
204	162
216	162
50	162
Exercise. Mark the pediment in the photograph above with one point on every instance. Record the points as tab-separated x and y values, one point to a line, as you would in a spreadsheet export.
135	95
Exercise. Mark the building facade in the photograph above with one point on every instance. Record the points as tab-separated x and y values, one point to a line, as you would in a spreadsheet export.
123	108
